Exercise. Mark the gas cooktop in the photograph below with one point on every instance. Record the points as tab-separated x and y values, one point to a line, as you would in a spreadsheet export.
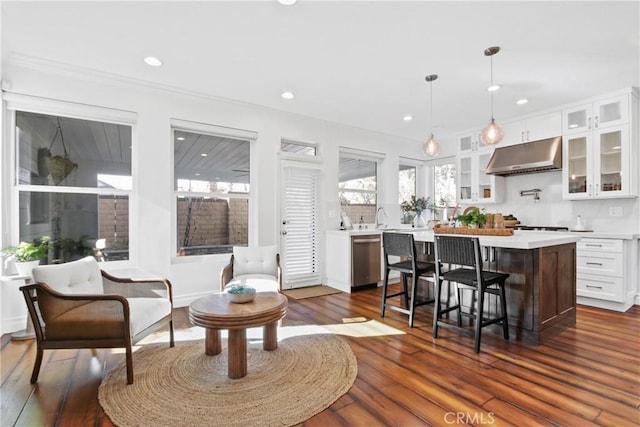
541	228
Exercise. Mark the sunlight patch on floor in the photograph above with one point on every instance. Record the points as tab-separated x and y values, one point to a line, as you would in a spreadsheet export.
358	327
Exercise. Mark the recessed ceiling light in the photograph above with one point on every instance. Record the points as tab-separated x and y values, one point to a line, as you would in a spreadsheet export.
522	101
573	126
197	174
180	138
287	2
153	61
493	88
203	155
287	95
407	118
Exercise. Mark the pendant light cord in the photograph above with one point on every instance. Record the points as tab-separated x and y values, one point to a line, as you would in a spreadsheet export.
491	58
431	103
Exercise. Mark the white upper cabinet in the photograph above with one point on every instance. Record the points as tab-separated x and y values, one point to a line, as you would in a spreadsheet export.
601	114
597	164
469	142
475	186
533	128
598	152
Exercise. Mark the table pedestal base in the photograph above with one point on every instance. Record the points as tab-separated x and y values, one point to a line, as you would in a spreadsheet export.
237	350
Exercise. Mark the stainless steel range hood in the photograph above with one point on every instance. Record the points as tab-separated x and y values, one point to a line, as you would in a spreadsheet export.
536	156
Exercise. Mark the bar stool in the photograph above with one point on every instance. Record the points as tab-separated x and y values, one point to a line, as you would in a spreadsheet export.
464	252
402	245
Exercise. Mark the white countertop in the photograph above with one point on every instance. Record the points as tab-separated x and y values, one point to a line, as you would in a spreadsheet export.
538	233
373	230
519	240
606	235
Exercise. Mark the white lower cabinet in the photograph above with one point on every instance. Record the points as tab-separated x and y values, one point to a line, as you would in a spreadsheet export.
607	273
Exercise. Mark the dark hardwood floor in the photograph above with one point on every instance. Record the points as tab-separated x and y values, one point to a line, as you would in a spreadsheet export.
587	375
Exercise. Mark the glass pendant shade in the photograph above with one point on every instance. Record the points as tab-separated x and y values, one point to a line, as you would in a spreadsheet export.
431	147
492	133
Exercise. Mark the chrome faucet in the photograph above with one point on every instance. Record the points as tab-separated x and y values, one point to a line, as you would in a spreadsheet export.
379	223
535	192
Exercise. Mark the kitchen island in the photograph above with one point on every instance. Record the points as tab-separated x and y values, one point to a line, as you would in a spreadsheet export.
541	288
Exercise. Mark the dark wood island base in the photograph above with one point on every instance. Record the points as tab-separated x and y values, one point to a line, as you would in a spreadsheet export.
541	289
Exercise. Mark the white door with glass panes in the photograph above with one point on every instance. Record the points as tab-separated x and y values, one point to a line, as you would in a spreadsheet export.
587	117
597	164
300	251
475	186
469	142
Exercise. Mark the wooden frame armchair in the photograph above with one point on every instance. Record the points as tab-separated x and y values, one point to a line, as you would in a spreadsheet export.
258	267
77	305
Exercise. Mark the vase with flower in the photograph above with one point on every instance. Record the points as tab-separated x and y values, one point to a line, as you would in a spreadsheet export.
417	205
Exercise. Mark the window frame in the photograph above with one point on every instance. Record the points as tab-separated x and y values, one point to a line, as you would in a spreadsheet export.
431	177
251	196
290	141
15	103
370	156
417	165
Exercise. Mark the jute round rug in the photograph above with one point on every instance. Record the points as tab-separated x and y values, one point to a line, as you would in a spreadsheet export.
181	386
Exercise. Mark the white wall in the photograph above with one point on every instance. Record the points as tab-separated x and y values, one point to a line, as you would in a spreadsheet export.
152	228
551	209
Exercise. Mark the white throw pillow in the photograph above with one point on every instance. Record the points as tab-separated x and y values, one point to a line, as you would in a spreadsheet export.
256	260
76	277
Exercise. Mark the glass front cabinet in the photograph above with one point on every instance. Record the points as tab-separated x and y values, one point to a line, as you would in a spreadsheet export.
475	186
609	112
597	161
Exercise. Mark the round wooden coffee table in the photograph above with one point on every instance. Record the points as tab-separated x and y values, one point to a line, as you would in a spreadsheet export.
216	311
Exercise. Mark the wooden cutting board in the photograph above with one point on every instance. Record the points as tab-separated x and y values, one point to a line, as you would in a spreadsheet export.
474	231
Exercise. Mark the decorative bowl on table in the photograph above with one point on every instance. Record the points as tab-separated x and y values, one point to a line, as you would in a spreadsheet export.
240	293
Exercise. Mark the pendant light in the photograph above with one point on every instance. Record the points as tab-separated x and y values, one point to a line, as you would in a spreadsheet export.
492	133
431	147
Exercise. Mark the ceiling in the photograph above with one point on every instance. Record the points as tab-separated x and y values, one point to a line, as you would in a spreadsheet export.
357	63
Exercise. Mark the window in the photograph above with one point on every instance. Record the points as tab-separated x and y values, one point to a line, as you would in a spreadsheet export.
444	187
357	188
212	188
406	189
73	181
299	148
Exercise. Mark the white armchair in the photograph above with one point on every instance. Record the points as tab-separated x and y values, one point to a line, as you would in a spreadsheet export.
258	267
77	305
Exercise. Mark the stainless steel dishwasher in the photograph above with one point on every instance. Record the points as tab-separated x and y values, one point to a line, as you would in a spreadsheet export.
365	261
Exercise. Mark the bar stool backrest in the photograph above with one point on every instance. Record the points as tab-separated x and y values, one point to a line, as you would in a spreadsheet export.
461	251
398	244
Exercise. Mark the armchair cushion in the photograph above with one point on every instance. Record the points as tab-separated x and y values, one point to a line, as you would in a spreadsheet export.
77	277
255	260
261	282
144	312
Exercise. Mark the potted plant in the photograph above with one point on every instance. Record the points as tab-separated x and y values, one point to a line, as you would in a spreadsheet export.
27	255
473	218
